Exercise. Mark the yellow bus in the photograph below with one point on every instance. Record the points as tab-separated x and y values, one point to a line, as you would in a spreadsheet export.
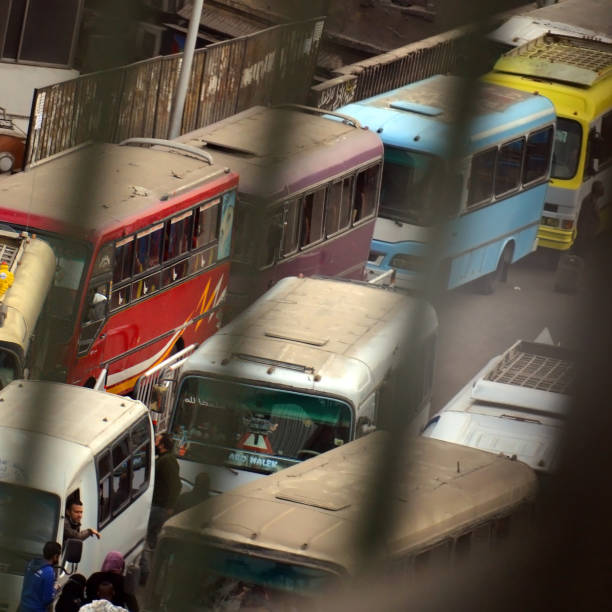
290	535
576	75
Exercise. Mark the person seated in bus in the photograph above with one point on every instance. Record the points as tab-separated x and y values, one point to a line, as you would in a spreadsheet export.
72	522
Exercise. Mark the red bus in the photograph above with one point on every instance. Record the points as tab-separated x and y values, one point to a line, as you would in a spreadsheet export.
142	248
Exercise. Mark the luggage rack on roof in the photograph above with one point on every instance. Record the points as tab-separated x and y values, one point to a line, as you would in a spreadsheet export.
561	58
536	366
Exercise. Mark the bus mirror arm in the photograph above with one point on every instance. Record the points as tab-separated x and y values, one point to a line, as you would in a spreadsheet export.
596	145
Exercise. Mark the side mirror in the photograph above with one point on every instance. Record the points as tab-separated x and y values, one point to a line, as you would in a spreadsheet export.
73	550
596	144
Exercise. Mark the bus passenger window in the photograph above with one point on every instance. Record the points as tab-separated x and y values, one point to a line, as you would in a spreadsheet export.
178	232
124	254
346	207
104	477
121	475
148	248
291	227
606	135
312	218
481	177
332	213
120	297
140	445
537	156
508	167
206	224
365	193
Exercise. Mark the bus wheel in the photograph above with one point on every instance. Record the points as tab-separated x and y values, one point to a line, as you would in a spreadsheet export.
486	285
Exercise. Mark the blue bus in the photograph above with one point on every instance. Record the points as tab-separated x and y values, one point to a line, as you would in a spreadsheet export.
495	184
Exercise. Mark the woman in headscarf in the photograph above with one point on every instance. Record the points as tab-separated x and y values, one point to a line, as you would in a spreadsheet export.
112	571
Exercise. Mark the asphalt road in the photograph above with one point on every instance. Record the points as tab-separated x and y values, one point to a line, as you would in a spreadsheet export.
474	328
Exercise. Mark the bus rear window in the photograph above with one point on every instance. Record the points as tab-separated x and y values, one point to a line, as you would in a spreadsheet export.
566	151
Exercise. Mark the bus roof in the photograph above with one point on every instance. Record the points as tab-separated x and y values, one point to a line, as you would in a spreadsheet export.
67	412
311	511
583	18
515	405
125	183
419	116
325	335
49	431
559	58
285	150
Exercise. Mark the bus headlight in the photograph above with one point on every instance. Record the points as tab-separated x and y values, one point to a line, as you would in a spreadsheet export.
567	224
550	221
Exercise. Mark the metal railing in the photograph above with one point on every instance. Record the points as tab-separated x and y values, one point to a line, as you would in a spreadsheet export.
155	387
272	66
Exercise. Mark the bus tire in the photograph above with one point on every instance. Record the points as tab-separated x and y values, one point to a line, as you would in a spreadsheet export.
486	284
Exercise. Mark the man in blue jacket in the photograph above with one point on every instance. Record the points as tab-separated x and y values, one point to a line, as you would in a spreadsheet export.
39	588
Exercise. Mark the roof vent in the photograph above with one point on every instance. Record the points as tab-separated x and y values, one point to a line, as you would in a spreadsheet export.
413	107
312	494
296	337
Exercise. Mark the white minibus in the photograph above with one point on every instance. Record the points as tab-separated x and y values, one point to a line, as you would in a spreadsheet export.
61	442
311	365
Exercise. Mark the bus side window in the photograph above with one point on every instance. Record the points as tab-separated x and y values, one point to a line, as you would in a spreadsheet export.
606	136
120	494
206	224
140	448
366	191
124	256
104	484
312	218
333	207
508	168
481	177
291	226
177	235
537	155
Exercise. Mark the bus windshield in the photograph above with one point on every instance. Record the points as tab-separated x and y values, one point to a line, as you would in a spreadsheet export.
406	187
28	519
254	428
566	152
191	577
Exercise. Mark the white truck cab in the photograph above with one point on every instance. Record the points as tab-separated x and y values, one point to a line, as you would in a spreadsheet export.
61	442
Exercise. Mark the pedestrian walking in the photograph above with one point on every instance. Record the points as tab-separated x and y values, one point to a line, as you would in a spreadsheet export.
72	596
104	600
39	586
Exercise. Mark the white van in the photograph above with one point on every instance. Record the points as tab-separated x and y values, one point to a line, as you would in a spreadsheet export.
311	365
60	442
